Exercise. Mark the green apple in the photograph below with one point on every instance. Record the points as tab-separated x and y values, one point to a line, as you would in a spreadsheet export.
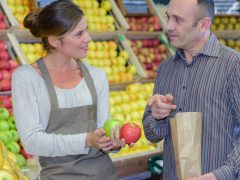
4	126
13	147
11	122
5	174
4	114
4	137
111	124
14	135
21	160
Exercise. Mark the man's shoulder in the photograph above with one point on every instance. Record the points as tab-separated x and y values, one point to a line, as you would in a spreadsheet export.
228	51
169	60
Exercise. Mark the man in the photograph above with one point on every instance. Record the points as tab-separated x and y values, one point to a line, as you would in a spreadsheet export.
203	76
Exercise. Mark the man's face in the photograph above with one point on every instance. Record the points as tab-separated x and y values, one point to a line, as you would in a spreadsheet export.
181	28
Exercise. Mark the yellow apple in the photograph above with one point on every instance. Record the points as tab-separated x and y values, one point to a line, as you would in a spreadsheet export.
5	174
106	5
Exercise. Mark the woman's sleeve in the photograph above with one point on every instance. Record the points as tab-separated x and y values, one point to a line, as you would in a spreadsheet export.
25	88
103	99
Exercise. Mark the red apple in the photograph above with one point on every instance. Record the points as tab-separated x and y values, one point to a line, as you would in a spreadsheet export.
6	103
26	155
131	132
3	25
3	45
4	55
5	74
157	27
148	66
5	85
4	64
163	48
1	16
13	63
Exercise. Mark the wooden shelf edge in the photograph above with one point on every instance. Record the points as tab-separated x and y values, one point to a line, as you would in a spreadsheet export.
231	34
5	93
140	154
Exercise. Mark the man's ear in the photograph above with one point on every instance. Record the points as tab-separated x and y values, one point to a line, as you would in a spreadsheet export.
205	24
53	41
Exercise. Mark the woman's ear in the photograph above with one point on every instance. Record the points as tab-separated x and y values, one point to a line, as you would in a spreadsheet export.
53	41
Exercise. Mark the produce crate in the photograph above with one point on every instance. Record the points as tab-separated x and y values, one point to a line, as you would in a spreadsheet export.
20	9
7	20
128	106
226	26
109	54
147	51
10	58
147	23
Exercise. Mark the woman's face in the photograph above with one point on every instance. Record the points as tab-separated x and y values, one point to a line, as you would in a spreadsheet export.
74	44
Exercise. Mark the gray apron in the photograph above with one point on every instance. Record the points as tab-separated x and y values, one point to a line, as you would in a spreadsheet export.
96	165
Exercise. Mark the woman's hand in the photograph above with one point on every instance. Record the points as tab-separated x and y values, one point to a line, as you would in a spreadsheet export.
117	142
98	140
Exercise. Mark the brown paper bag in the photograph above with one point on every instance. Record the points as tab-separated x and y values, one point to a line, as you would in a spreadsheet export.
186	130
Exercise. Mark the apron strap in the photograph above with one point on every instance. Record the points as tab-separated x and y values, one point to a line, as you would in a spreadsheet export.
51	89
48	81
89	81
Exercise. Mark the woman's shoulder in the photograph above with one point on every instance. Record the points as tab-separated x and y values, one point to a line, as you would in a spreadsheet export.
24	71
95	71
24	68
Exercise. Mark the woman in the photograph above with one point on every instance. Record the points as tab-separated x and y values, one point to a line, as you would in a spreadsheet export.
60	103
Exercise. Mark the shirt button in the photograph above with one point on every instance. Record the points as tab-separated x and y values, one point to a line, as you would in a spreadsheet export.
184	87
180	109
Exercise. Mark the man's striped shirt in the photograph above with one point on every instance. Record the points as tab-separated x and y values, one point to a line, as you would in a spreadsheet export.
211	85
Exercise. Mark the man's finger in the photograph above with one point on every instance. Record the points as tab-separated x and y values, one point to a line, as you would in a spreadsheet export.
169	97
155	98
165	106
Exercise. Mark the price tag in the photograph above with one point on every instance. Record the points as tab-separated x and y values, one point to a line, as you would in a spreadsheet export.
134	7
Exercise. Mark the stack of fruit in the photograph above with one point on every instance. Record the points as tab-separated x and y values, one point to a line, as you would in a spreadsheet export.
20	9
9	168
115	62
7	66
97	14
233	43
150	53
145	23
3	24
9	135
32	51
128	106
8	132
226	23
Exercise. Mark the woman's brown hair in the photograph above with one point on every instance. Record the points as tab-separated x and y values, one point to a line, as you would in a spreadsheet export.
54	19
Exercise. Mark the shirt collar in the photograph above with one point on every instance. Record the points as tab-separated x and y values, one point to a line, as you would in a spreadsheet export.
211	48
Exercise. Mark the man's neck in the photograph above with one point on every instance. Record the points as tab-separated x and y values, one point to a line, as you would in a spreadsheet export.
191	52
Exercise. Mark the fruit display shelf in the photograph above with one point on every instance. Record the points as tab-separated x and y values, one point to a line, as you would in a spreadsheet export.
28	164
147	51
7	20
231	42
9	61
128	106
110	55
226	25
151	22
20	9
